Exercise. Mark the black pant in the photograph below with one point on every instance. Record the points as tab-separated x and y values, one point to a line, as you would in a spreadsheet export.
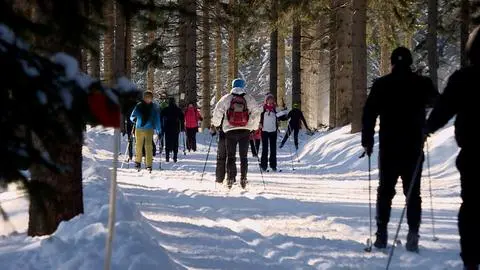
255	147
171	145
468	223
220	169
393	165
269	138
234	137
295	135
192	139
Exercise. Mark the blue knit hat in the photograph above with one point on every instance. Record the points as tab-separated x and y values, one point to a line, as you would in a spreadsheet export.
238	83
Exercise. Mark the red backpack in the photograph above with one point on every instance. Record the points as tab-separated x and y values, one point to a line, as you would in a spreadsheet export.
237	113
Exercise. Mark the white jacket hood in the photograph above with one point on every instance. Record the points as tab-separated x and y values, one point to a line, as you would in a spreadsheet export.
238	91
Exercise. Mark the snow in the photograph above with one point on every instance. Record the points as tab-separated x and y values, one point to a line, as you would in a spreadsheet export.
315	217
6	34
83	80
68	62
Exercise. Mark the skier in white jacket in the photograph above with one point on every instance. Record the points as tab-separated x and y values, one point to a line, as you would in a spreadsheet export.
241	116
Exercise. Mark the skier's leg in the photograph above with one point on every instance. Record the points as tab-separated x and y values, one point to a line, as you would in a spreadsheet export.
140	137
221	158
414	205
273	150
287	134
231	142
264	159
243	152
148	148
194	139
385	193
468	222
252	148
175	147
295	137
257	145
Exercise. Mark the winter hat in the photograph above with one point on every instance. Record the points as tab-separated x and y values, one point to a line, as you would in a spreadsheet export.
401	56
473	47
238	83
296	106
148	93
269	96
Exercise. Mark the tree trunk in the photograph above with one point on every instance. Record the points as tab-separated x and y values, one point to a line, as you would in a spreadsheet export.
273	51
191	47
464	30
385	51
128	46
218	62
333	64
343	73
94	59
108	45
432	40
359	42
281	72
182	54
119	63
232	49
62	194
296	63
151	68
206	94
84	61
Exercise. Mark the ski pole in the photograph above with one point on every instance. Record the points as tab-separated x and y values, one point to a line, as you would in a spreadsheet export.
435	238
369	240
261	171
206	160
409	193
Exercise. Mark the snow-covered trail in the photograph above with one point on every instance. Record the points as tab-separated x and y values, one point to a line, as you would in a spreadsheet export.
315	217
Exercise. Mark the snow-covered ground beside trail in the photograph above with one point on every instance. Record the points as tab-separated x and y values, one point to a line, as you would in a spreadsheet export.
312	217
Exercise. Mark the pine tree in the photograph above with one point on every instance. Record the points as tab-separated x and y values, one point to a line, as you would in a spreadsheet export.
359	42
432	40
206	92
274	50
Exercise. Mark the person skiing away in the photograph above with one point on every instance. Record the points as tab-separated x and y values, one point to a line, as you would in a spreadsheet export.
147	120
192	119
162	104
400	99
459	98
255	140
172	118
296	119
240	114
269	127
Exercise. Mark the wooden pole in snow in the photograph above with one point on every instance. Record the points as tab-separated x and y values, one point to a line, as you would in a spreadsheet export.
112	203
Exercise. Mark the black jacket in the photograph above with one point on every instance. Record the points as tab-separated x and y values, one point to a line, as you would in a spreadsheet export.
460	98
400	99
295	116
172	119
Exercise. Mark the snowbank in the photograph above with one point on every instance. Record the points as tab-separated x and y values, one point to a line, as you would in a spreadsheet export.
80	242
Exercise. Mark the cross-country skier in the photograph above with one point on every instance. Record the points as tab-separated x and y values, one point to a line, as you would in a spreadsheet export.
240	113
127	126
296	119
192	119
459	98
255	140
400	99
269	126
172	118
147	120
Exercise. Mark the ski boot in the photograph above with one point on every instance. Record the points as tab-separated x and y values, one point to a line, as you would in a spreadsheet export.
382	238
243	182
138	166
412	241
149	169
281	145
230	183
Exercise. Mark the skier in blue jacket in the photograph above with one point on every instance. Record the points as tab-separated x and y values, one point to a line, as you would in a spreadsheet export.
147	119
